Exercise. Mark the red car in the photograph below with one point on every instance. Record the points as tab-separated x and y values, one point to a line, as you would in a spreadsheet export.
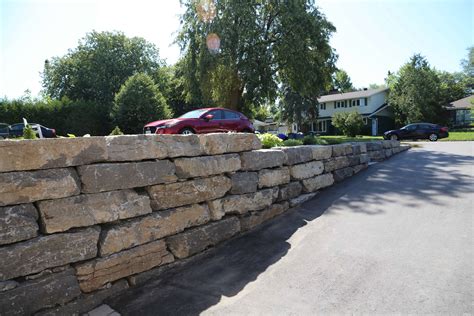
210	120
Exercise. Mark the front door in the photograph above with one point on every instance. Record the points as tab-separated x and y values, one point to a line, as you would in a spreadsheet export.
374	127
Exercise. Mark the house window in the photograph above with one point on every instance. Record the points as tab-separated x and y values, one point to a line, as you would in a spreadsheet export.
366	101
345	103
322	106
354	103
322	126
358	102
366	121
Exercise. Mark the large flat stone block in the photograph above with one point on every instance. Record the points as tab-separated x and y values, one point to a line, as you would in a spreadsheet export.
116	176
188	192
319	182
206	165
321	152
240	204
30	186
31	296
244	182
44	252
135	147
341	150
301	199
90	209
17	223
364	158
343	173
198	239
261	159
306	170
336	163
289	191
153	227
221	143
253	219
377	155
297	154
272	177
50	153
375	145
95	273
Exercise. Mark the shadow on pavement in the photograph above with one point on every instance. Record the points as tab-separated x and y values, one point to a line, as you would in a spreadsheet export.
226	270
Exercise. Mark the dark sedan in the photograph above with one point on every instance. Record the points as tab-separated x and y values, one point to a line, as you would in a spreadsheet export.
430	131
16	130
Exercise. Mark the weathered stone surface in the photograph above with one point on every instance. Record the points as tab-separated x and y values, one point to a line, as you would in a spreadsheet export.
86	302
404	147
221	143
95	273
343	173
388	153
387	144
31	296
261	159
364	158
371	146
206	165
44	252
116	176
363	148
353	160
289	191
8	285
297	154
356	148
181	145
253	219
360	167
306	170
321	152
50	153
152	227
135	147
341	150
25	187
319	182
90	209
198	239
377	155
301	199
188	192
18	223
244	182
394	143
272	177
336	163
240	204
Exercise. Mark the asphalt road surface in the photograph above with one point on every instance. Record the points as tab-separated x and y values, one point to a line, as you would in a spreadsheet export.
396	238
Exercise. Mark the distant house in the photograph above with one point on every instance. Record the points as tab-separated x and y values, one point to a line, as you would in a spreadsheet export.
460	111
371	104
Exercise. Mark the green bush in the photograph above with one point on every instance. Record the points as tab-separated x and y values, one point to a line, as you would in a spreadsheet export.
292	142
269	140
28	132
116	131
349	123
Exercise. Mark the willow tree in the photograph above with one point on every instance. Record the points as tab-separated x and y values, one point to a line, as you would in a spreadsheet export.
240	54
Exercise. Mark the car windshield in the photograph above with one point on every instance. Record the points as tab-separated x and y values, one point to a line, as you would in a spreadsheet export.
193	114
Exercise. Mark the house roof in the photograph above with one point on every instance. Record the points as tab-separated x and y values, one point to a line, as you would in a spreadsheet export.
464	103
350	95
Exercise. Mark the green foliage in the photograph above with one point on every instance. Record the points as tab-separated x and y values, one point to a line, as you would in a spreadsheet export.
292	142
138	102
269	140
342	82
349	123
296	108
313	140
468	63
116	131
415	93
28	132
264	45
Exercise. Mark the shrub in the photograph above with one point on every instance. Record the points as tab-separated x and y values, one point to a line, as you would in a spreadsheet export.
349	123
313	140
269	140
28	132
116	131
292	142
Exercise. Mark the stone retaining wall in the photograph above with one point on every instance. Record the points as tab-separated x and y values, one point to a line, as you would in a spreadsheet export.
83	219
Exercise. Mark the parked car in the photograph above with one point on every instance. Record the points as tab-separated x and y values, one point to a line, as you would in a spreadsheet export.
209	120
430	131
16	130
4	130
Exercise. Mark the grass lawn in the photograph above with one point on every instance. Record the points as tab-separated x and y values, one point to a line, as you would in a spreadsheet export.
344	139
459	136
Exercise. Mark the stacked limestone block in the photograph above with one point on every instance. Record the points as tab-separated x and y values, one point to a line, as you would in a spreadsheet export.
84	219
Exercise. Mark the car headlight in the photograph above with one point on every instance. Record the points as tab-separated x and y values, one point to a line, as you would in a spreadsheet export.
167	125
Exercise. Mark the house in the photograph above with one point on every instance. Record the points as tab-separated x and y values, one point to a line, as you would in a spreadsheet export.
459	111
371	104
270	126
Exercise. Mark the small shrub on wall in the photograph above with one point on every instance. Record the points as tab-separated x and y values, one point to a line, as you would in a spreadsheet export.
269	140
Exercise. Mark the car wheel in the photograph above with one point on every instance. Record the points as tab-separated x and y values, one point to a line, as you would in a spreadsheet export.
186	131
393	137
433	137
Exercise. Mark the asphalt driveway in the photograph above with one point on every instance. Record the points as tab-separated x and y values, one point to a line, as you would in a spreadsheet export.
396	238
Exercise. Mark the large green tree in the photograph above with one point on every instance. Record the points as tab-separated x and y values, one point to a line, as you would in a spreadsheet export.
138	102
342	81
415	92
97	68
239	54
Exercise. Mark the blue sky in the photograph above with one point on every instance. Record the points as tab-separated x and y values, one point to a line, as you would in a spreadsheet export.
373	36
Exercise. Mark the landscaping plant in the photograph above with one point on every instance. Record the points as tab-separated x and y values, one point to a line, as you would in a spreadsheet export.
269	140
